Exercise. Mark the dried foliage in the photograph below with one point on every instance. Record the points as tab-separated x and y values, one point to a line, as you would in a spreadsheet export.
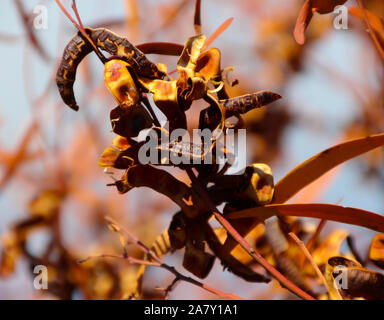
256	235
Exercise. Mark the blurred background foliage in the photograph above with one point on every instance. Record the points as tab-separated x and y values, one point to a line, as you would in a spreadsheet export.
53	195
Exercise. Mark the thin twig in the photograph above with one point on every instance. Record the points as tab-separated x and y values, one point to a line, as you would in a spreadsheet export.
309	257
170	287
81	29
312	240
159	263
371	31
197	17
74	8
304	250
128	258
244	244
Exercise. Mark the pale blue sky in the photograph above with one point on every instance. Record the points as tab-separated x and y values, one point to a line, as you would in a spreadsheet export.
310	92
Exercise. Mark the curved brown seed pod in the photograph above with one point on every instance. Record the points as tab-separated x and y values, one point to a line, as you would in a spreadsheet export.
209	117
123	49
75	51
248	102
177	231
78	48
353	280
129	121
187	152
196	260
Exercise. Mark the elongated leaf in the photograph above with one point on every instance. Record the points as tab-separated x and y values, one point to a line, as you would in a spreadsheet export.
331	212
302	22
324	161
310	170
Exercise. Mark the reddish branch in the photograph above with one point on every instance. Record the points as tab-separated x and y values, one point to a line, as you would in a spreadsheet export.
371	31
157	262
244	244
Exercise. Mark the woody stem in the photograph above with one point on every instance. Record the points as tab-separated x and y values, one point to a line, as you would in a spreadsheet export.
244	244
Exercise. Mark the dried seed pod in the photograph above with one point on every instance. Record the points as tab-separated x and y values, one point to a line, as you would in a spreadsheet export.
190	85
256	184
162	245
79	47
248	102
128	120
191	52
165	96
177	231
353	280
261	187
186	152
122	185
195	89
197	261
208	64
121	48
122	143
74	53
120	83
163	182
209	117
120	159
376	251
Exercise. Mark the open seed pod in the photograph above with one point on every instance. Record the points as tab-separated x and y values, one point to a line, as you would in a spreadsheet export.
261	187
163	182
255	184
120	159
177	231
120	83
196	260
167	100
208	64
129	120
349	279
376	251
190	86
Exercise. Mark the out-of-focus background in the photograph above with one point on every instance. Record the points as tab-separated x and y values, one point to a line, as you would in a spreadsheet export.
332	90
